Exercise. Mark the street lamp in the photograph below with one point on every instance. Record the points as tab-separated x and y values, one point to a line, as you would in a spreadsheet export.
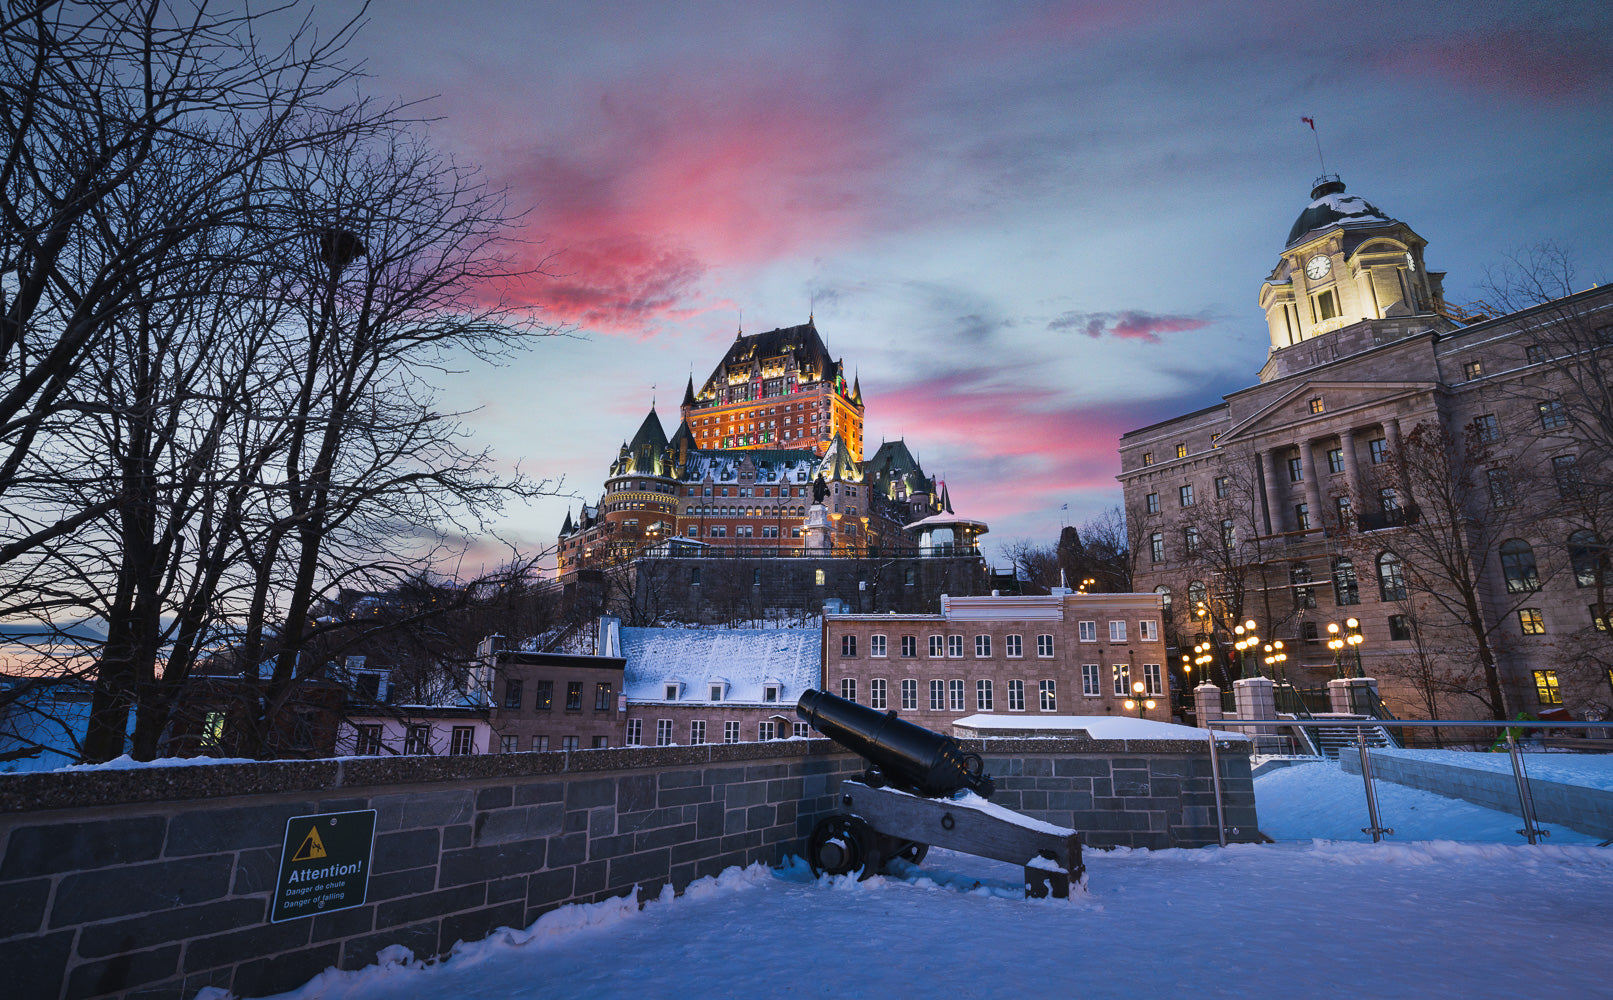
1246	645
1275	658
1338	642
1138	699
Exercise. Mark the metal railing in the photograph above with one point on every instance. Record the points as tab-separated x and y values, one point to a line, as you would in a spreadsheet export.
1526	804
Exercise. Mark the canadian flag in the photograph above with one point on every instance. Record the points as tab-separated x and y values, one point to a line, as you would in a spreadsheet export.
1311	122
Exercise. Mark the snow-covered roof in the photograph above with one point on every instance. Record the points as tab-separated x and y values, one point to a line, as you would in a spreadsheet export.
744	659
1099	727
1331	206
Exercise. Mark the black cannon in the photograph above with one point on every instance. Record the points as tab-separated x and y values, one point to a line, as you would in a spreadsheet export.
912	795
899	754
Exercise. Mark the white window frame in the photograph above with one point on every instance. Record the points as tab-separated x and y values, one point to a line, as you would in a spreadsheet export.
983	695
876	646
848	688
910	694
1087	631
663	732
938	696
876	693
1013	646
1016	696
1152	679
635	732
730	732
957	695
697	732
954	646
1091	681
1121	673
767	730
1148	630
937	646
1044	646
1117	630
1048	694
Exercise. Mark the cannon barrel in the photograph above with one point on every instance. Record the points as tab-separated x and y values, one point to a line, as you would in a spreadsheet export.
908	757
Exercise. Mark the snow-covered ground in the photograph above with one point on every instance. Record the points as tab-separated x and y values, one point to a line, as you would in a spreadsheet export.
1411	918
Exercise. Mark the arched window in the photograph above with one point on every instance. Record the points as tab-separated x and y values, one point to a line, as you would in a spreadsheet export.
1345	588
1391	579
1164	593
1588	556
1518	566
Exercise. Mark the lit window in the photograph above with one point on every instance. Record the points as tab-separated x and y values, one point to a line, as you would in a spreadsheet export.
1472	370
1316	404
1181	451
1050	695
1122	679
818	577
1148	458
1547	691
1530	621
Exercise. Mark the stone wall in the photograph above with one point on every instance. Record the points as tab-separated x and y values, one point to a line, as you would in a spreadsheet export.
157	882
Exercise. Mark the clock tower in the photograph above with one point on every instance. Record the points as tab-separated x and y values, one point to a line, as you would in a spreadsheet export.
1345	263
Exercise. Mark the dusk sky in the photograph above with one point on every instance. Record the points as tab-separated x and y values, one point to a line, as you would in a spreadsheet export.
1028	227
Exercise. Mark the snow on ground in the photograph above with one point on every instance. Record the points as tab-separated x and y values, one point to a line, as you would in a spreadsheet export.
1410	918
1591	770
1099	727
1319	800
1388	920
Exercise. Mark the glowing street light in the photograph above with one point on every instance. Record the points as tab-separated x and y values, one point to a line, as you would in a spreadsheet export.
1139	699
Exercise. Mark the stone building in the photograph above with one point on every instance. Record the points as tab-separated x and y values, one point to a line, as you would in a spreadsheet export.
1063	654
553	701
1381	416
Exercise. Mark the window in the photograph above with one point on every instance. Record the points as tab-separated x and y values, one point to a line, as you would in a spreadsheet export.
1117	631
1486	429
460	741
1044	642
1151	503
1302	516
982	646
848	688
770	693
799	730
876	693
635	732
876	646
954	645
910	577
1156	547
1388	500
910	646
1472	370
1565	470
369	737
1014	646
848	645
1223	487
1121	673
1308	632
540	744
1181	450
955	695
512	693
766	730
671	692
1197	594
697	732
718	531
1316	404
935	645
1148	630
1500	487
1326	306
603	700
1378	451
1534	354
1346	589
938	696
1530	622
1341	507
730	732
694	571
1551	414
1050	695
568	742
1164	593
817	576
509	744
1148	458
1090	685
1190	540
1185	494
1588	557
910	694
545	697
417	740
1335	460
1546	690
1155	684
1391	579
574	696
983	695
1016	696
1299	578
1518	566
1296	470
1399	628
663	732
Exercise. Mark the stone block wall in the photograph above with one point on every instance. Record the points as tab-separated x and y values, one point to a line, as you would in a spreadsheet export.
154	883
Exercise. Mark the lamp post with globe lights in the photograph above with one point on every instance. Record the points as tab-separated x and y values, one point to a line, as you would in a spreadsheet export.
1139	699
1247	644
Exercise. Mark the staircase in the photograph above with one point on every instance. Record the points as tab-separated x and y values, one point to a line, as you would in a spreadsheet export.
1330	740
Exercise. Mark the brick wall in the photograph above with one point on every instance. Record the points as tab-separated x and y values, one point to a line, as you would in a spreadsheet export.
157	882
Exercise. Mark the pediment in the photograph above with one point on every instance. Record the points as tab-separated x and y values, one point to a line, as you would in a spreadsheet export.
1284	411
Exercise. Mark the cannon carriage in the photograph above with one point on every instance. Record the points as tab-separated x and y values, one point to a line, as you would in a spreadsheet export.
921	789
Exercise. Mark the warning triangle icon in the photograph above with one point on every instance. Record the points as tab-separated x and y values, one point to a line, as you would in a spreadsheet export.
312	848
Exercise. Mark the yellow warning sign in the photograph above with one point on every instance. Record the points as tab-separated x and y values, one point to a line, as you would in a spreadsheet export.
312	848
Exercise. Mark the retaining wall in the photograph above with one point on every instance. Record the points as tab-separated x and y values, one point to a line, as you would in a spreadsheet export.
1588	810
156	882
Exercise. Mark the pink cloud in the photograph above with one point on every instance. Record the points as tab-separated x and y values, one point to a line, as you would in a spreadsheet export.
1524	61
1128	324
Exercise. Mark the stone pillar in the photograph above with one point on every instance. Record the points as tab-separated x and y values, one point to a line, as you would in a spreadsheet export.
815	537
1207	703
1313	483
1256	700
1339	693
1352	474
1276	500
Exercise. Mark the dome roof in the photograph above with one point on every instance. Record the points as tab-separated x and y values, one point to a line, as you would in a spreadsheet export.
1330	205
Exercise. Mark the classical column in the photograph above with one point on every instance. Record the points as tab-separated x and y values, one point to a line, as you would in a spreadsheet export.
1352	478
1313	485
1275	500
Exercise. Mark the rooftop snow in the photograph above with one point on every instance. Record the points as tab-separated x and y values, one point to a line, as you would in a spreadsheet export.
744	658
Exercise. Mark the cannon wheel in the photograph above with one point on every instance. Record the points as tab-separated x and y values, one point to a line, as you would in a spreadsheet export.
841	845
908	850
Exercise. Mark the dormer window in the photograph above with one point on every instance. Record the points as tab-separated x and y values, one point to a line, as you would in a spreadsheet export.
771	690
672	688
717	688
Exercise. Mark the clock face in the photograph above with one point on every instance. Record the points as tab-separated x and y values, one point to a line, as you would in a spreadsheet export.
1317	267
